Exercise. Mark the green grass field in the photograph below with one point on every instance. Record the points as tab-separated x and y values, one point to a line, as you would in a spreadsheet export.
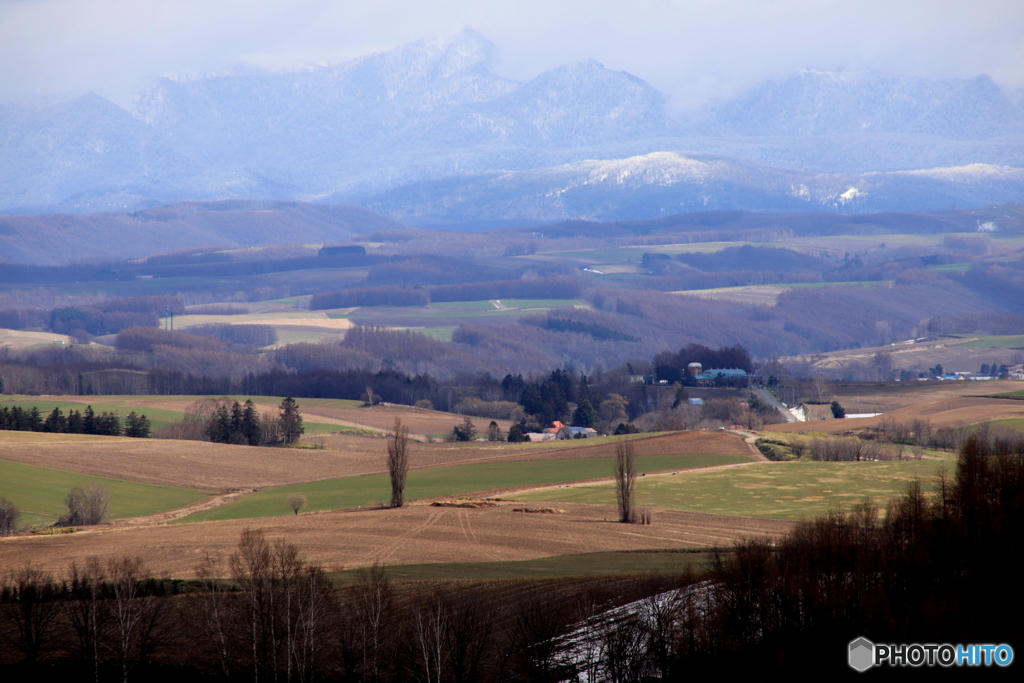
789	490
39	493
1013	423
589	564
950	268
372	490
1019	395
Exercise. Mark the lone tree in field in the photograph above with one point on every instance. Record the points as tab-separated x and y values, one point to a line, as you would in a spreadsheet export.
8	516
295	502
625	479
291	421
85	506
398	461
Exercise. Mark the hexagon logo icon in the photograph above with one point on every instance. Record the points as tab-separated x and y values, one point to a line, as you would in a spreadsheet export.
861	654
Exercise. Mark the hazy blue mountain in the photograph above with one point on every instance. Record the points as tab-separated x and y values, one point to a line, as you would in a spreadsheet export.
86	146
817	103
429	125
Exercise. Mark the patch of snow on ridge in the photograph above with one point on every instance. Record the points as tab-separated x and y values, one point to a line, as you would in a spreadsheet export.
659	168
850	195
971	173
663	169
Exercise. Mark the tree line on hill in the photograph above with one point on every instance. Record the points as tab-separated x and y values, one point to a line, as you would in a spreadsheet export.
603	399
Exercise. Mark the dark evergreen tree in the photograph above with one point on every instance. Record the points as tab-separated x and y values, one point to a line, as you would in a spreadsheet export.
89	421
108	424
55	422
838	412
251	423
585	415
219	428
136	426
237	434
291	421
517	434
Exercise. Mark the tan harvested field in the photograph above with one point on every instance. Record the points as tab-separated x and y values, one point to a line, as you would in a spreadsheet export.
759	295
419	421
957	411
414	534
282	319
20	339
291	325
293	334
217	467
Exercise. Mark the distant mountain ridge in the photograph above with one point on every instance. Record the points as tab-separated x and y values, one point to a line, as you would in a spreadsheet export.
814	103
61	238
433	115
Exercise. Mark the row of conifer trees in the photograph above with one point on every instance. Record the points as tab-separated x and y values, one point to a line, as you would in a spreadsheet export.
17	418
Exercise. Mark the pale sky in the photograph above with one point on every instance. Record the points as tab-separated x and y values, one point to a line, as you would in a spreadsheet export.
693	51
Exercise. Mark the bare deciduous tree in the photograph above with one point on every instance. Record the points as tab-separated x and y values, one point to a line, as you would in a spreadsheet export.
431	629
32	608
373	607
251	568
136	611
295	502
494	432
215	612
83	611
821	389
8	516
398	461
625	480
85	506
282	606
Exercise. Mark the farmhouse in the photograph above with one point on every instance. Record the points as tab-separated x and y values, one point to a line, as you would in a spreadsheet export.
733	377
567	432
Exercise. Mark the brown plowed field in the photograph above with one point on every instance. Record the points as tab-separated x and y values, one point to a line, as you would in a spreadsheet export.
414	534
950	412
883	397
198	464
